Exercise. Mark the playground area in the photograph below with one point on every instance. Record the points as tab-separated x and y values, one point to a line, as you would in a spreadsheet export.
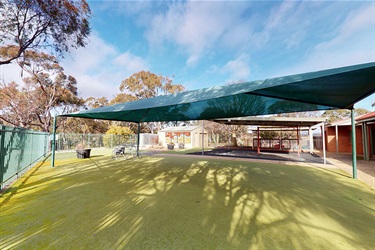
186	202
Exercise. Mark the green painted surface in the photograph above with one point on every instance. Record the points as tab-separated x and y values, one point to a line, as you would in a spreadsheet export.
181	202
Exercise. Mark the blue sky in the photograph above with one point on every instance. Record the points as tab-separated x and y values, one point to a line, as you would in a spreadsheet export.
208	43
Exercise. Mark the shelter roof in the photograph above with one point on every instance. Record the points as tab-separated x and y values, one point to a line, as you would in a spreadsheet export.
344	122
272	121
361	118
366	117
179	129
321	90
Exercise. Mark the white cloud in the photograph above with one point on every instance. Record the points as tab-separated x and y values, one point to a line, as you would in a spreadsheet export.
130	63
238	69
354	43
194	27
11	72
92	57
99	68
235	70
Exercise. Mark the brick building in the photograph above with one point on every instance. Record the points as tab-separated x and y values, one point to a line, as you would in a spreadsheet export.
338	136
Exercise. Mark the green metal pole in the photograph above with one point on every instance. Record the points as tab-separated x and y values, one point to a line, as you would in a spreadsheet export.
354	147
53	142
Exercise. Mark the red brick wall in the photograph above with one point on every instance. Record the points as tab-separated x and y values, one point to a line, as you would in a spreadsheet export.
359	140
344	135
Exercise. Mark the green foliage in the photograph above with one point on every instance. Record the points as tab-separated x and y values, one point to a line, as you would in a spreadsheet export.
269	134
41	24
145	84
117	135
30	105
341	114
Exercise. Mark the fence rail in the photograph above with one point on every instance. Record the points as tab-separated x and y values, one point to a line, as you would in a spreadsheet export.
19	150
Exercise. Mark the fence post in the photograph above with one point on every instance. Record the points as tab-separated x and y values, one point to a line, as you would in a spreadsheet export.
53	142
2	155
32	148
138	136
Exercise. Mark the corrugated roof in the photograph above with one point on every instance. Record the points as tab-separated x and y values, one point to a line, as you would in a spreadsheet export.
358	119
179	129
272	121
365	117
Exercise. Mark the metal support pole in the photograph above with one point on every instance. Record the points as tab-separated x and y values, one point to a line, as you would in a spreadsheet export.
324	145
311	140
366	153
354	147
202	137
229	135
53	142
298	146
138	137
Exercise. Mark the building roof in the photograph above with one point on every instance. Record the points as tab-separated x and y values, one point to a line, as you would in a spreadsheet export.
366	117
359	119
272	121
180	129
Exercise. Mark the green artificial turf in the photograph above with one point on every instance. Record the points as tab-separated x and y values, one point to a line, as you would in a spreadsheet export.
185	202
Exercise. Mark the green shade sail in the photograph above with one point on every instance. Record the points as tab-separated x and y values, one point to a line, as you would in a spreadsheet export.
327	89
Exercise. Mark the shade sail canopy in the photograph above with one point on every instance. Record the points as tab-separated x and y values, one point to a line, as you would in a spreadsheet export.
321	90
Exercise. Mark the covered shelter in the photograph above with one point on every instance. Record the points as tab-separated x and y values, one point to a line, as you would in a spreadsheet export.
338	88
339	141
184	136
277	124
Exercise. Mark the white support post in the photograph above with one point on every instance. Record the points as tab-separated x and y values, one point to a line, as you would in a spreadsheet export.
298	146
337	139
202	137
311	140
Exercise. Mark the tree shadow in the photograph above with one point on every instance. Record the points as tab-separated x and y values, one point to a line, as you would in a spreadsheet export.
187	202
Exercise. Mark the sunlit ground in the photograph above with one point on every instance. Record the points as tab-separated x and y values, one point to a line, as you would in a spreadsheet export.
179	202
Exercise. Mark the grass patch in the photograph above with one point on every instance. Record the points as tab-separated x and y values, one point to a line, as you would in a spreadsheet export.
180	202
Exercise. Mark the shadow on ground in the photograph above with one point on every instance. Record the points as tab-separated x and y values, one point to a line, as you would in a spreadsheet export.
186	203
264	155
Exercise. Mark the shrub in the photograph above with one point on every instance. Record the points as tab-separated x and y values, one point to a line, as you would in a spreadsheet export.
118	135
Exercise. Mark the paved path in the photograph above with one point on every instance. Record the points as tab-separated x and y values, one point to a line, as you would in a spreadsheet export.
365	169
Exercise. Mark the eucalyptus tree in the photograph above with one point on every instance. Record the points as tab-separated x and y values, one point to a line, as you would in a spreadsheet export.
42	25
46	88
143	85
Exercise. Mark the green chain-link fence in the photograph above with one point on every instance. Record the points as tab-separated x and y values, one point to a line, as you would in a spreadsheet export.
19	150
70	141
